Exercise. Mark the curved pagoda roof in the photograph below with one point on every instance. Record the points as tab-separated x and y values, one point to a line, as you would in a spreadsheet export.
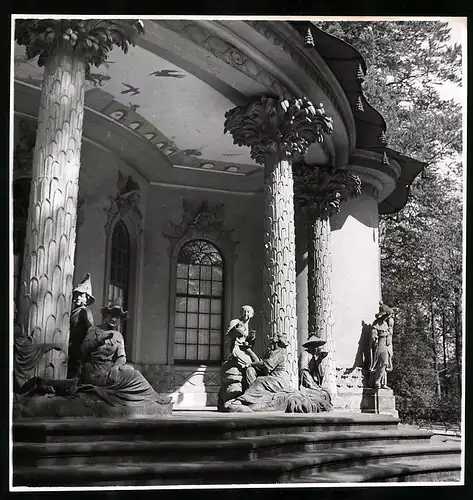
349	68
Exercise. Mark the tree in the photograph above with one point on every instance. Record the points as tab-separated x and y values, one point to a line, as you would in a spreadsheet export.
421	246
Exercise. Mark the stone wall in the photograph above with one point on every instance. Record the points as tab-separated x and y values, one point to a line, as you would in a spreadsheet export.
98	183
242	214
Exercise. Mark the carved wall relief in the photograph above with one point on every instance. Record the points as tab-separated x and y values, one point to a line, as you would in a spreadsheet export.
126	202
24	149
199	219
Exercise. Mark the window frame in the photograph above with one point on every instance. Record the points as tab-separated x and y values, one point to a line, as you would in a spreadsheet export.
227	251
126	290
134	279
221	297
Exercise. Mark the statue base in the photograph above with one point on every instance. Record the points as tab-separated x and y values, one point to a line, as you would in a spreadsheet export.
380	401
84	405
287	400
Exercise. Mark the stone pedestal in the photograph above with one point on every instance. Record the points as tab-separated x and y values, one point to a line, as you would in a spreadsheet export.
379	401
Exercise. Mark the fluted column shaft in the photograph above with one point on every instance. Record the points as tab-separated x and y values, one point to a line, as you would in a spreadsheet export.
48	267
320	292
319	191
66	48
279	269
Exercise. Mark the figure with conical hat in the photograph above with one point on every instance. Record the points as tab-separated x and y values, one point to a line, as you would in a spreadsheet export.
104	363
381	349
310	362
269	376
81	320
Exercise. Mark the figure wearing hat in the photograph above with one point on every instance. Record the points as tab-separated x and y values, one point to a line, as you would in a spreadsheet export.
381	347
105	364
81	321
310	362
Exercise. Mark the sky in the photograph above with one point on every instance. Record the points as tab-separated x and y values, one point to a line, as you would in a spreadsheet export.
458	35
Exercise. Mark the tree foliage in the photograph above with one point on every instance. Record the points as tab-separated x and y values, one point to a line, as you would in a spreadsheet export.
421	246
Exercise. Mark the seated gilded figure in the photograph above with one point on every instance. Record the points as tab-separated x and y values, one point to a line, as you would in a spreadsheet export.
267	377
104	363
232	371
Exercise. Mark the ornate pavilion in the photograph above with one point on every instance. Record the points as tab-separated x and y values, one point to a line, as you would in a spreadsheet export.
138	173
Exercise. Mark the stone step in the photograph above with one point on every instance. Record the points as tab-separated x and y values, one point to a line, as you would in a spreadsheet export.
194	427
443	468
245	448
284	468
336	459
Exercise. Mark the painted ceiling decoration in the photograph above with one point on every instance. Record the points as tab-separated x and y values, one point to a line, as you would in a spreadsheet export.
173	110
181	111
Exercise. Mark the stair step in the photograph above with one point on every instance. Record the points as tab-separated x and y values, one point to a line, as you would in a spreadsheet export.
182	427
310	465
284	468
245	448
408	470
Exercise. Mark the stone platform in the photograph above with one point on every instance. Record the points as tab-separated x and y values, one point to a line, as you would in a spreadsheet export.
85	405
214	448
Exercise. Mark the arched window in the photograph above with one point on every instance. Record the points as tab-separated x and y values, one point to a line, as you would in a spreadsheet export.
119	266
199	303
21	195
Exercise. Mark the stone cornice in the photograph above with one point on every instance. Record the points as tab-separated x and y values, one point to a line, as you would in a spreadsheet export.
221	43
99	134
373	171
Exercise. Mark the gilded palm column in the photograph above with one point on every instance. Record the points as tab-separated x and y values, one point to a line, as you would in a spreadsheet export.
318	192
66	49
277	131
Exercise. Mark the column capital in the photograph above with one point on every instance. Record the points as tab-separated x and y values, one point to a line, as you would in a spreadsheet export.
321	190
277	128
92	39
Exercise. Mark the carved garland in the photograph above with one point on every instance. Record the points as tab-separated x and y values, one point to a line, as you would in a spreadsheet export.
199	219
126	202
229	54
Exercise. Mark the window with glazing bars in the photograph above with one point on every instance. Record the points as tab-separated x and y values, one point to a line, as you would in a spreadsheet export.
199	303
119	266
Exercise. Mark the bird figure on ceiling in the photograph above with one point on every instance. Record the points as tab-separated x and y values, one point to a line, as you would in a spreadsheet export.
131	90
171	73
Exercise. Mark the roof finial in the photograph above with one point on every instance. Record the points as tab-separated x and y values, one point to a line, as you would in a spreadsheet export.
383	138
359	104
309	39
360	75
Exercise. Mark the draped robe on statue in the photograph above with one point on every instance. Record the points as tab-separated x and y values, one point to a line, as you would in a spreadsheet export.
27	355
130	387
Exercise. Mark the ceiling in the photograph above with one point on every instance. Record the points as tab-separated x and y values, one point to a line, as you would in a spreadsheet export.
172	109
